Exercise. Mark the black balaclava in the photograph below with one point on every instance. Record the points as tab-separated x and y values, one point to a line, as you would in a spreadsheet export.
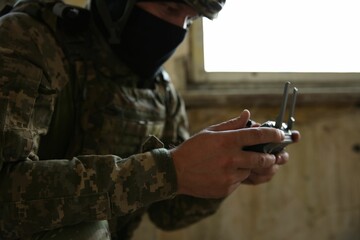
146	41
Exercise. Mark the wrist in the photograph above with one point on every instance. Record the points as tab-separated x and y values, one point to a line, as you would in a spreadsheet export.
165	164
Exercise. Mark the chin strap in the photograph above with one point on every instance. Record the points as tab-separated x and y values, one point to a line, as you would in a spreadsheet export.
114	28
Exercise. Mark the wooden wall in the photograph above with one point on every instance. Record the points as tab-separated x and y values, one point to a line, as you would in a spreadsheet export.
315	196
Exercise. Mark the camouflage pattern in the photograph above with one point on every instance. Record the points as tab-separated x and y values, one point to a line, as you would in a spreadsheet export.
3	3
82	231
79	142
208	8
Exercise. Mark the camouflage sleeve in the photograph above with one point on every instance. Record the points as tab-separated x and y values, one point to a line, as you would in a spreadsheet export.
182	210
177	125
43	195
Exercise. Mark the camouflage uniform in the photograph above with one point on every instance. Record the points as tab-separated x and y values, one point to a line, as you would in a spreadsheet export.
79	141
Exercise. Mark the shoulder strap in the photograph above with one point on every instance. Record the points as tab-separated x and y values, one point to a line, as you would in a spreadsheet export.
6	6
53	12
67	22
69	25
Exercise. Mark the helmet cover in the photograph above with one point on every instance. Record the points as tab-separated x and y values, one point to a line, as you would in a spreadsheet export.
208	8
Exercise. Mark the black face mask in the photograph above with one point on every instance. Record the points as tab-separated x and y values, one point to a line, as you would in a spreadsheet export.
147	42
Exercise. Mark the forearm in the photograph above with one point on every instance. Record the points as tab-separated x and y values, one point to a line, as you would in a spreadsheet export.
182	211
86	188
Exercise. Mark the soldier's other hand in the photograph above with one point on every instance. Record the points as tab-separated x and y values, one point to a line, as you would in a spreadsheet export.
262	175
212	164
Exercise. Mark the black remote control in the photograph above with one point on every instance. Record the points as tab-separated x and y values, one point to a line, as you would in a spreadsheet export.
275	148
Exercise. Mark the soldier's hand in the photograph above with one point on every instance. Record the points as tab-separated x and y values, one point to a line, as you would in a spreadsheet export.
262	175
212	164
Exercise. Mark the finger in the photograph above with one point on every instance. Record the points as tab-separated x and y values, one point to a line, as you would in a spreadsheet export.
282	158
253	160
258	176
257	179
295	136
265	171
232	124
253	136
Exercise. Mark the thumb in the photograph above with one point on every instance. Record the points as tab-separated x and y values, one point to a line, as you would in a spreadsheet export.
232	124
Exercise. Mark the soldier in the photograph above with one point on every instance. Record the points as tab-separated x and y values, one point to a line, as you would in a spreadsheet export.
93	133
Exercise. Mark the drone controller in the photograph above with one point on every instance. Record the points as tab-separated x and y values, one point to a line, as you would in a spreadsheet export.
279	124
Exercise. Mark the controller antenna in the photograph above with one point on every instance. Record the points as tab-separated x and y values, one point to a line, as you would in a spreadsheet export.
291	119
279	119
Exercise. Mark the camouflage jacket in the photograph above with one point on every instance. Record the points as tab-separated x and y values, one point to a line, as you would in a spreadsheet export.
78	138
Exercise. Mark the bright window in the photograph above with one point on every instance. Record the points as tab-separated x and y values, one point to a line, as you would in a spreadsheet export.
272	40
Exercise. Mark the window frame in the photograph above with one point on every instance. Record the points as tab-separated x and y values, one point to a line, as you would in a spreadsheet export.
331	84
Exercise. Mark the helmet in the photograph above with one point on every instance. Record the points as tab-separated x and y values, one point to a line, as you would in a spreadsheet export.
208	8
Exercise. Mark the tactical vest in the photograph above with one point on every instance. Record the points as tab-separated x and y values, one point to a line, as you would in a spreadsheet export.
100	110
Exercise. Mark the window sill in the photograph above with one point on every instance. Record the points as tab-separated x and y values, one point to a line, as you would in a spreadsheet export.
205	95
